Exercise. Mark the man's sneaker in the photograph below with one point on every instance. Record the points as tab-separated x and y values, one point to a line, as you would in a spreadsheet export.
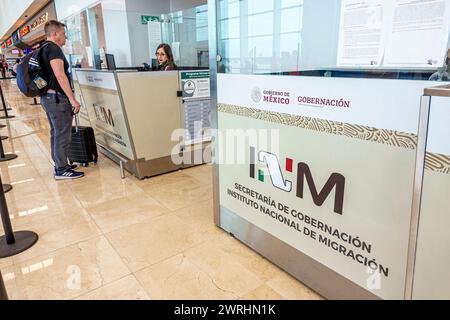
69	167
69	175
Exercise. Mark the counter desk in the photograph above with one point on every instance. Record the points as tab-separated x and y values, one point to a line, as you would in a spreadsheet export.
330	181
152	122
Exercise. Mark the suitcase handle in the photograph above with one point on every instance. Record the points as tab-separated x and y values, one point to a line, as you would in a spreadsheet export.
76	122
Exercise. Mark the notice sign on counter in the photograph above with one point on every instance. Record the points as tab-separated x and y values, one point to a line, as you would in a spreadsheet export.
101	97
195	84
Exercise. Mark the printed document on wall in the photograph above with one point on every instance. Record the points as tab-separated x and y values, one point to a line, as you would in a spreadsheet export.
361	33
419	33
154	34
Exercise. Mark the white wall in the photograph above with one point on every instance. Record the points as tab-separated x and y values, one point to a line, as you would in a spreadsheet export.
117	33
177	5
10	12
139	41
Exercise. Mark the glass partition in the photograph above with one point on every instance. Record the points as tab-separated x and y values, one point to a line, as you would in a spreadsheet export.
78	41
85	38
131	36
187	33
405	39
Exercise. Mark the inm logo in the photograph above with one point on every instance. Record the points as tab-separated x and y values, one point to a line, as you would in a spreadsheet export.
335	181
104	115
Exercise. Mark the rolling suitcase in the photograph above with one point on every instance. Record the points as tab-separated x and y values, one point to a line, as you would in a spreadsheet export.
83	148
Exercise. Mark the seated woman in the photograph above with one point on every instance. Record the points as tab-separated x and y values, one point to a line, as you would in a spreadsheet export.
165	58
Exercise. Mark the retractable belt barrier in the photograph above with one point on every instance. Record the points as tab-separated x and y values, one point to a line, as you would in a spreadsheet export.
13	243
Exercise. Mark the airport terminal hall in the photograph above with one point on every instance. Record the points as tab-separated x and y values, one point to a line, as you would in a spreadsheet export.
257	152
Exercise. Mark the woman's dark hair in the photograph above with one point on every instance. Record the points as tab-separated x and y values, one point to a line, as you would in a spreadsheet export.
167	50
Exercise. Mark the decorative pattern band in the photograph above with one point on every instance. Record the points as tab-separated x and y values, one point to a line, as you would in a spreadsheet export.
437	162
383	136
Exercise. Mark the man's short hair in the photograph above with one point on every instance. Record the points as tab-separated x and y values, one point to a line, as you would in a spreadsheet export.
53	26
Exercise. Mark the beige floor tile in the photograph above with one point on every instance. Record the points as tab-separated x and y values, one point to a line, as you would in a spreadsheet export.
28	187
262	293
57	232
178	278
58	188
127	288
122	212
66	273
16	164
203	173
5	262
45	170
201	217
176	197
19	173
38	210
152	241
172	180
248	258
290	288
227	274
91	194
94	174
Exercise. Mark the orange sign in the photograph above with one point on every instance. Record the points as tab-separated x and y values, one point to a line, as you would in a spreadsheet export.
24	31
4	46
9	42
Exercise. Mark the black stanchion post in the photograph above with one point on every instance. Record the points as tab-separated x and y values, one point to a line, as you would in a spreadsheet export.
7	188
3	294
6	116
3	137
1	84
13	243
35	103
5	157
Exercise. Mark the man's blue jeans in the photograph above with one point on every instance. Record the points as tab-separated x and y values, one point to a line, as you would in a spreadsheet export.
60	118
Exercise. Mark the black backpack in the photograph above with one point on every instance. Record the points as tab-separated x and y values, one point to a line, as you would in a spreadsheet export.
30	74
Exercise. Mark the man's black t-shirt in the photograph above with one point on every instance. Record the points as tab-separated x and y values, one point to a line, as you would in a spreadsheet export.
50	52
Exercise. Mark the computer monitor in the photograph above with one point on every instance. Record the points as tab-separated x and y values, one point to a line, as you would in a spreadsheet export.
154	64
110	62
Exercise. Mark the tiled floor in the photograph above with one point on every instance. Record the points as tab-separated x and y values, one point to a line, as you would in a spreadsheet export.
101	237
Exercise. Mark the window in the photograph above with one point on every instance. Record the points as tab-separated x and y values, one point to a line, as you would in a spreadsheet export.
265	33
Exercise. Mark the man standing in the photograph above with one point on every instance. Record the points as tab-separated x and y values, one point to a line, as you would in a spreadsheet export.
2	69
59	102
